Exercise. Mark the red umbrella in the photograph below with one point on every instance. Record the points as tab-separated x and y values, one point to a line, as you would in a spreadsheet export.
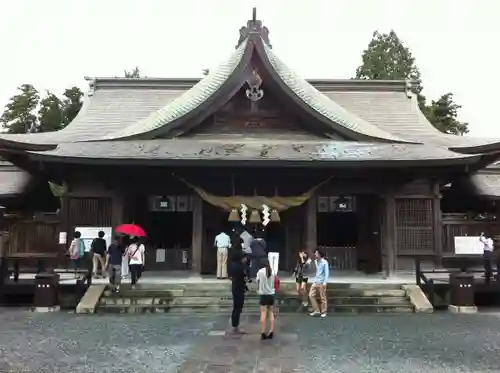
131	230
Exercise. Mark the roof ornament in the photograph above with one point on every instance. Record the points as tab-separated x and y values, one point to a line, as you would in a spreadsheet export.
254	92
254	27
91	85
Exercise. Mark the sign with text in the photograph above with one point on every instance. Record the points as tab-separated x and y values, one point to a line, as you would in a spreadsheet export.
468	245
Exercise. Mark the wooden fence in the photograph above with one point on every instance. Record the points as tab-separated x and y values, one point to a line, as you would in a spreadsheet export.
33	236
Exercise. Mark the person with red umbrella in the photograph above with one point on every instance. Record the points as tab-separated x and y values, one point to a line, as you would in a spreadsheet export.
130	230
134	257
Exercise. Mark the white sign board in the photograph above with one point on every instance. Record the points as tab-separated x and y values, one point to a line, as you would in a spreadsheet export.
274	260
160	255
89	233
469	245
63	238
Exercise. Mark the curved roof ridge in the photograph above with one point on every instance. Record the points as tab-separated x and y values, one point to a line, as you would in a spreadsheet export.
324	105
460	144
186	102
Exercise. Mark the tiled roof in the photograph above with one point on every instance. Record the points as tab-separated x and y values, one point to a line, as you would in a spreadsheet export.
393	112
247	150
186	102
323	104
121	108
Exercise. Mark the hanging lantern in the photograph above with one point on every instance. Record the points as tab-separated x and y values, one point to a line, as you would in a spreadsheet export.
254	217
275	216
234	216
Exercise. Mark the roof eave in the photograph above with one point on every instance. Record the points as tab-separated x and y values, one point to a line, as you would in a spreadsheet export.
479	149
467	163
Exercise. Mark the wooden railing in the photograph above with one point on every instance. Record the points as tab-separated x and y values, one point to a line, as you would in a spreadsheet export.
453	264
16	264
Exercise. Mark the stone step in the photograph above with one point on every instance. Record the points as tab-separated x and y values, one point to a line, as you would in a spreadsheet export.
197	309
226	300
172	293
288	285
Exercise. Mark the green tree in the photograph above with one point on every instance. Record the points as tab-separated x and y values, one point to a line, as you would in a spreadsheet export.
443	114
386	58
19	115
135	73
50	113
71	104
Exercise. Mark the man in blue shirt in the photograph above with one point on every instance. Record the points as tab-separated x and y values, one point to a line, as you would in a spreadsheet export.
319	284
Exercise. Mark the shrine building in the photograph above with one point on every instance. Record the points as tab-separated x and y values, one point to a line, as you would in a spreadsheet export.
351	166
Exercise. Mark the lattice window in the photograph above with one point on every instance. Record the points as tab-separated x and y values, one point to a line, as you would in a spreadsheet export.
414	225
93	212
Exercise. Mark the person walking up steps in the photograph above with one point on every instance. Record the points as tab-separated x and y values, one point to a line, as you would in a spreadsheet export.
98	249
319	285
136	255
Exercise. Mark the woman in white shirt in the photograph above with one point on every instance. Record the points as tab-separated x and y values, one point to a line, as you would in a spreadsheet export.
265	285
135	255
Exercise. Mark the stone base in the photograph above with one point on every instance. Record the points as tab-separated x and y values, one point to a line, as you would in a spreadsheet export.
47	309
462	309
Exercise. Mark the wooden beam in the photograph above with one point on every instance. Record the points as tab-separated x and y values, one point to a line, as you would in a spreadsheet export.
197	238
117	209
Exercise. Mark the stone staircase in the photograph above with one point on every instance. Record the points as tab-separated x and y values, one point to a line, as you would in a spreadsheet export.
201	298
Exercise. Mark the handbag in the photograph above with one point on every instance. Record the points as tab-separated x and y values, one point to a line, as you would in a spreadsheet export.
276	283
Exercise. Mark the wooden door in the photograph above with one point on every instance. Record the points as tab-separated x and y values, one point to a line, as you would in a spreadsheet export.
214	221
368	249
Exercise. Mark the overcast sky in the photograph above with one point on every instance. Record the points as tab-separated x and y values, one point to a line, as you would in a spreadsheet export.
53	44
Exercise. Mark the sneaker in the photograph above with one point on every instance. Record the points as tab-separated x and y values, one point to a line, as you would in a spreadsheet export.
314	313
263	336
323	314
270	335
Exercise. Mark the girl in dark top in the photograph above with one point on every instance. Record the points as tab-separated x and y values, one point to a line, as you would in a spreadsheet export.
301	274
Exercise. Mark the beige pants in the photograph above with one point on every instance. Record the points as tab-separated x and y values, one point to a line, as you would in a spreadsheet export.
313	294
222	262
96	260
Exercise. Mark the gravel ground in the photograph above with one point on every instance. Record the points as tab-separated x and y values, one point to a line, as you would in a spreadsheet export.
62	342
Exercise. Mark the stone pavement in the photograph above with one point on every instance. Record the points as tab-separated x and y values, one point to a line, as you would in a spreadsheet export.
426	343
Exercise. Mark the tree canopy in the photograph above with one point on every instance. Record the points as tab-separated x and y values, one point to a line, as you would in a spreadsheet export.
386	58
28	112
20	112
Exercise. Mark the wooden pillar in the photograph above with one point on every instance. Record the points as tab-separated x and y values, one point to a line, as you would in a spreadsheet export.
197	238
117	209
65	221
311	224
389	236
437	223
